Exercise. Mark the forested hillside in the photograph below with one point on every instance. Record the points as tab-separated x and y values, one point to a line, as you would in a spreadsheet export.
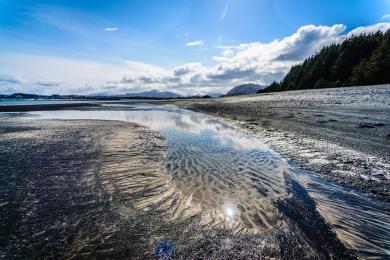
358	60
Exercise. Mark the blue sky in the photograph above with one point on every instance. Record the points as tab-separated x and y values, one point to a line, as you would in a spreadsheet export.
185	46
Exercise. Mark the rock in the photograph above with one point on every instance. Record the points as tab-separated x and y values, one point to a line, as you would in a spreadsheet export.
376	173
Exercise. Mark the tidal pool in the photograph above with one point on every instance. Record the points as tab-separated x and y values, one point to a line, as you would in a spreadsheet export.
232	181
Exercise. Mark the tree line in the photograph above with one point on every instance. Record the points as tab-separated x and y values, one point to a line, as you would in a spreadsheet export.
358	60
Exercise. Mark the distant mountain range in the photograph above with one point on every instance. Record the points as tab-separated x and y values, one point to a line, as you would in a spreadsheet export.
54	97
154	94
244	89
146	94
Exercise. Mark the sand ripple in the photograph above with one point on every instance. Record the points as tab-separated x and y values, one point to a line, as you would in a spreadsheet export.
225	189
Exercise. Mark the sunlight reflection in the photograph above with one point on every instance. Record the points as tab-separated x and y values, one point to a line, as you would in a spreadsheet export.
229	211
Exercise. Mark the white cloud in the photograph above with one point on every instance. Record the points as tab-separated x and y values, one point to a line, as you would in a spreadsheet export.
187	69
9	80
195	43
47	84
224	12
49	75
385	17
370	29
111	29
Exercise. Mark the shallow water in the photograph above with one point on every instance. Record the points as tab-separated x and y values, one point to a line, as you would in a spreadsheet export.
235	180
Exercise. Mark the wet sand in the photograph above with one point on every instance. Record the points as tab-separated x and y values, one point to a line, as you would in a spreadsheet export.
342	134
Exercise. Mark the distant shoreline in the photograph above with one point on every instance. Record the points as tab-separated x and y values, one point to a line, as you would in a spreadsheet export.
45	107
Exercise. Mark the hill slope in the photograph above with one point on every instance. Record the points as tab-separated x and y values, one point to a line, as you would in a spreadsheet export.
244	89
154	94
358	60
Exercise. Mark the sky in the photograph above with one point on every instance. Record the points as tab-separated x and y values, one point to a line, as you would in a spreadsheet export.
185	46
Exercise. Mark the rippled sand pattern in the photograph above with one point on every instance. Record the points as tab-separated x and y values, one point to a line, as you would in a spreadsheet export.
150	203
360	222
225	189
237	185
134	167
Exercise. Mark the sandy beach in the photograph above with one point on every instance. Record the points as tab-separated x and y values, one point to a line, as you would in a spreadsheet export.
342	134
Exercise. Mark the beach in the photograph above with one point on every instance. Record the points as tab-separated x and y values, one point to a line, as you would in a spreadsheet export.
114	181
